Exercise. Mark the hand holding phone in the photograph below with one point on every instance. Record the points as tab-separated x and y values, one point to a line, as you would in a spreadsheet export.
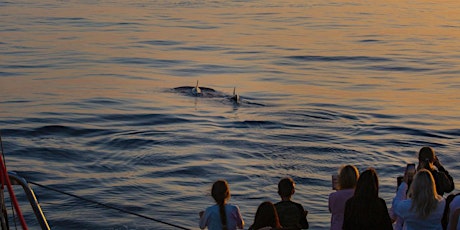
335	182
409	173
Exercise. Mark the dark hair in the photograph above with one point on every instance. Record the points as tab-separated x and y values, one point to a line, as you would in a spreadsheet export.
266	216
286	187
368	185
221	192
348	177
426	156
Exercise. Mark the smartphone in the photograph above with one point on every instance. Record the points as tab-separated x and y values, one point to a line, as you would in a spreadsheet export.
410	170
335	181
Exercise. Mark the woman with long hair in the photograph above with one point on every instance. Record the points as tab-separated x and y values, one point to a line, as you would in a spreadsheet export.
347	178
221	216
266	217
366	210
424	208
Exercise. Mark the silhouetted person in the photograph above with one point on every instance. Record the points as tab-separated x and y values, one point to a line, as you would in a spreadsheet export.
292	215
366	210
266	217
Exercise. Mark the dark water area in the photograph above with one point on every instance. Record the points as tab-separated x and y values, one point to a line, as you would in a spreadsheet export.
96	102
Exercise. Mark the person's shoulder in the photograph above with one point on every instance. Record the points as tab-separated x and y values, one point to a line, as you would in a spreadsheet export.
334	194
212	207
282	203
333	197
342	193
293	203
285	204
298	204
442	200
437	174
441	204
233	206
455	201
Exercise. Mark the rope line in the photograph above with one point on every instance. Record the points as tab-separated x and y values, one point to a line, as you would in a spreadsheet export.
108	206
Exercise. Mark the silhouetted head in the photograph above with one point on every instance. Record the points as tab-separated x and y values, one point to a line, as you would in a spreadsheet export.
368	184
220	191
426	154
266	216
286	187
426	157
348	177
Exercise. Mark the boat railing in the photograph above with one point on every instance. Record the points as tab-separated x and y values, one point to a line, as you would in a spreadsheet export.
29	193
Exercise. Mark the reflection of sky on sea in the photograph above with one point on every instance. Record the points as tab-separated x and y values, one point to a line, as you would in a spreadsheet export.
88	87
356	53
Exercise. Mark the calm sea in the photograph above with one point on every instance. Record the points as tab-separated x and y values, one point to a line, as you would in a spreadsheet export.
88	103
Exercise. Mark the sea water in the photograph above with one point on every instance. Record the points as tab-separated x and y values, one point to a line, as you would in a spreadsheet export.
89	104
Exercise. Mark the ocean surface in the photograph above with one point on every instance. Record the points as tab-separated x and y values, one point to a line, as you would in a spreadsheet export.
89	103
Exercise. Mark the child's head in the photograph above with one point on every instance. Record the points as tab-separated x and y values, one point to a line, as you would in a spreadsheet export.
286	187
220	191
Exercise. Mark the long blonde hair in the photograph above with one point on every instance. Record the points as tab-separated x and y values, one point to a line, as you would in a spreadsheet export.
423	194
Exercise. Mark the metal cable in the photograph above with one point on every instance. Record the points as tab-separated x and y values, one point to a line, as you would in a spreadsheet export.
108	206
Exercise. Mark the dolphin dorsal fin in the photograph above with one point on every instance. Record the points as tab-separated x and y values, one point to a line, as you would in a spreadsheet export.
196	90
234	89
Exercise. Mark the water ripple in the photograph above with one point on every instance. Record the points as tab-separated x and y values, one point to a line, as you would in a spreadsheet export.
94	102
339	58
162	42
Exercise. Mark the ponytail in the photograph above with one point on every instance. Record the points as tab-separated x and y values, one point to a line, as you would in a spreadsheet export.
427	164
220	192
223	216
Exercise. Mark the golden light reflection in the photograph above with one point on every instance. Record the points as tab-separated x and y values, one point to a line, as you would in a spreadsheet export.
255	40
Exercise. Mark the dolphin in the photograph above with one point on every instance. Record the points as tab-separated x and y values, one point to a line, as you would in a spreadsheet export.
235	98
196	90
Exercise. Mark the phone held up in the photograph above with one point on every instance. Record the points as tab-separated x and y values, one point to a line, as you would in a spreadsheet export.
335	182
410	172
